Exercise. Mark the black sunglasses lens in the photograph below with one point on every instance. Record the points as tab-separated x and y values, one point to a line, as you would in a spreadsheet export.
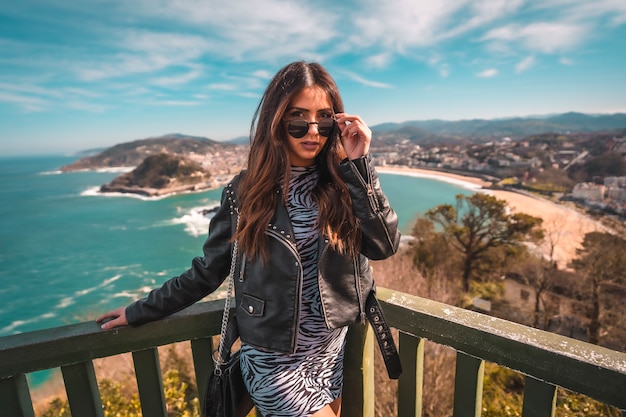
298	128
325	127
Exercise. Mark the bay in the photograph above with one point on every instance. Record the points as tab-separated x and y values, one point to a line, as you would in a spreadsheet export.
68	253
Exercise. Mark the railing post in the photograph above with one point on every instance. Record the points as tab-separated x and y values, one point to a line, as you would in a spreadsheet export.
411	382
539	398
202	351
358	363
82	390
15	398
150	382
468	386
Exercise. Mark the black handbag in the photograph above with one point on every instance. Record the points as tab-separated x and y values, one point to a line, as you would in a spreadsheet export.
226	394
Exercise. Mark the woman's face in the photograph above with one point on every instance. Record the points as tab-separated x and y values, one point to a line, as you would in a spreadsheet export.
311	104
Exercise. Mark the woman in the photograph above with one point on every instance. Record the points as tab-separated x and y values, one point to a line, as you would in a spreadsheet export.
307	214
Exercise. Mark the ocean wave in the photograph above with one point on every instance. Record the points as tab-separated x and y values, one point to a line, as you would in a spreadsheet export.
12	328
121	267
125	294
95	192
103	284
145	290
105	170
55	172
65	302
196	220
114	169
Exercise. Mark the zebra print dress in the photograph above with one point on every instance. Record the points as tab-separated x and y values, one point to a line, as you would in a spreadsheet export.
299	384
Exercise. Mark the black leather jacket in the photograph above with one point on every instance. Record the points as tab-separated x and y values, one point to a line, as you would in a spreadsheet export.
268	295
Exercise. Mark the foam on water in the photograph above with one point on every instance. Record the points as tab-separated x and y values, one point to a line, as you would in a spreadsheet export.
14	326
95	192
195	221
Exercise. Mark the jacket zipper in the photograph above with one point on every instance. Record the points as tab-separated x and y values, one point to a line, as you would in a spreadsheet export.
371	196
359	293
242	269
319	261
367	186
296	256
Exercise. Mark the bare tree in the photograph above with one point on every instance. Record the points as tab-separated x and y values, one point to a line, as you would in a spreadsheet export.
602	261
554	232
537	273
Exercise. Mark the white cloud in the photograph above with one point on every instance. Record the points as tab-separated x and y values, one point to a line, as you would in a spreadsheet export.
263	74
222	87
443	68
251	29
380	60
587	11
34	98
143	52
369	83
175	80
27	103
488	73
482	13
398	25
545	37
566	61
525	64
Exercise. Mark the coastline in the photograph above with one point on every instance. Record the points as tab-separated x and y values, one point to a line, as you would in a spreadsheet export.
464	181
564	227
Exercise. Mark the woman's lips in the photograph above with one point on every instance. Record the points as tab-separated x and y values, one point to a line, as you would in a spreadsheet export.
310	146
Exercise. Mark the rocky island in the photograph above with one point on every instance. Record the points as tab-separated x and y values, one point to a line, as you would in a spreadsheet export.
167	164
160	175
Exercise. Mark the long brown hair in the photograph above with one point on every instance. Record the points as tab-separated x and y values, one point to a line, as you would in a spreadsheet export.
268	166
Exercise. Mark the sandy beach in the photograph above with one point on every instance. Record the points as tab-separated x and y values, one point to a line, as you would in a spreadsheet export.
564	227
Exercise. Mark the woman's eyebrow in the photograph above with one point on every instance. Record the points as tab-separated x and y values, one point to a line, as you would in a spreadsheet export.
297	108
302	109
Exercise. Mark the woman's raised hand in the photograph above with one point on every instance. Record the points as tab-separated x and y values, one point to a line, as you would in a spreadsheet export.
355	135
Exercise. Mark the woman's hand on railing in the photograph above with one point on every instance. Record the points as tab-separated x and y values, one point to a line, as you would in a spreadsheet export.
113	318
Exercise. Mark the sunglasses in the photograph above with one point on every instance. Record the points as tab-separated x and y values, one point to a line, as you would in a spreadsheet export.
299	128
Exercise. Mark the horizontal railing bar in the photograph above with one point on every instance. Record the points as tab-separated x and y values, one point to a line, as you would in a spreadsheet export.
51	348
582	367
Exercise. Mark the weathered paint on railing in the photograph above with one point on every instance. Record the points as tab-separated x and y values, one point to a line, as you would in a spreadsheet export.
547	359
73	347
581	367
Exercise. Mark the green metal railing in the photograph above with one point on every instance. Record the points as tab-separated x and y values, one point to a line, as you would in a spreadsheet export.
547	360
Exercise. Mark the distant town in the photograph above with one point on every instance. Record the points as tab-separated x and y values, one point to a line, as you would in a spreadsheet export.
561	166
570	157
586	168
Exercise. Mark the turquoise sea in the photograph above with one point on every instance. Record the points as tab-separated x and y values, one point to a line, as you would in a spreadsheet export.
68	253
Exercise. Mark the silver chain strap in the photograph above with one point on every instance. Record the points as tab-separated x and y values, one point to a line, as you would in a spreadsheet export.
231	281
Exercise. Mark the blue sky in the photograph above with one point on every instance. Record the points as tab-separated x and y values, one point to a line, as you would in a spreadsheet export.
80	74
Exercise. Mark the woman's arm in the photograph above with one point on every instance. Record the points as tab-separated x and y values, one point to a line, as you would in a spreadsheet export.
204	276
